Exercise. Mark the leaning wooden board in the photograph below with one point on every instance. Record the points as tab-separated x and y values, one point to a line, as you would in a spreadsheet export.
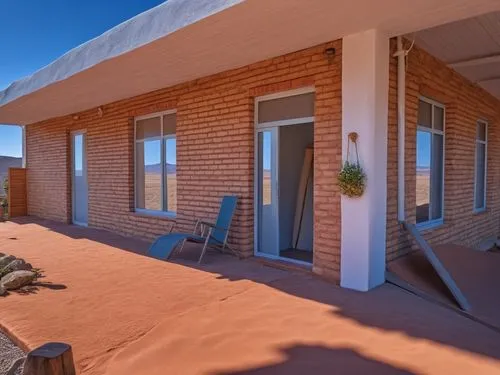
301	196
438	267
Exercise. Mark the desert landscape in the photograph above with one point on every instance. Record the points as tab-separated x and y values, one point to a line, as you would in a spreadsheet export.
423	195
7	162
153	191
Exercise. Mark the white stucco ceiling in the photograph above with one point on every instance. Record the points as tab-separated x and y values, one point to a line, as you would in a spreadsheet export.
182	40
470	46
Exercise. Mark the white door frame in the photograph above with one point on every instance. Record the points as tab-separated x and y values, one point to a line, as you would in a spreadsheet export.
73	134
274	127
274	188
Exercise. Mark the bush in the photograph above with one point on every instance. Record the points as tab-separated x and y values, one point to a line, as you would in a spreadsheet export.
5	185
351	180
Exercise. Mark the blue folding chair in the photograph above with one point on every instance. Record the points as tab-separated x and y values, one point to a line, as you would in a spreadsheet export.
209	234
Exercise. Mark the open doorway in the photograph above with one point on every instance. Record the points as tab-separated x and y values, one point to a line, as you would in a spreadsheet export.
284	176
296	192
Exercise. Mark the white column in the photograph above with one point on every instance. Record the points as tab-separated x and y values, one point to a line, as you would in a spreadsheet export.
365	90
23	127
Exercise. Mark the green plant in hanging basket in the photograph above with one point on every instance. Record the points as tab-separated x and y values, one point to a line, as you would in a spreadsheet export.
351	180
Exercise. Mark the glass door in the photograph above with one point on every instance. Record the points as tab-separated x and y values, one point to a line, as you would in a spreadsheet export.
79	178
267	195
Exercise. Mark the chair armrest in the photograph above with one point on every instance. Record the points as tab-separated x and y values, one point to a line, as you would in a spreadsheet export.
212	225
176	221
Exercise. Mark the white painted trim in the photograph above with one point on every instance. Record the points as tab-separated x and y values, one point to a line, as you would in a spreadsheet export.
285	94
155	114
365	98
84	169
434	222
80	224
295	121
485	143
158	138
162	138
272	126
154	213
275	180
490	79
432	101
430	224
284	259
474	62
280	95
24	145
401	129
274	185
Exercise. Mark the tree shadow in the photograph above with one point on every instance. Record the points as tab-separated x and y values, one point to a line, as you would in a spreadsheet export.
321	360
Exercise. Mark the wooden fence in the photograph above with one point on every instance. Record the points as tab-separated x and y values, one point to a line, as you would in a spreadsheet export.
16	196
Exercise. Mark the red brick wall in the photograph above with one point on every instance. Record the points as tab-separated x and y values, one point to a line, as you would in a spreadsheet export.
215	143
48	177
465	104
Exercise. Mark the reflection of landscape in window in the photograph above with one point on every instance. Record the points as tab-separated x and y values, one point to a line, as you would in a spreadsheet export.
78	155
78	182
266	168
423	175
155	135
152	176
480	183
171	173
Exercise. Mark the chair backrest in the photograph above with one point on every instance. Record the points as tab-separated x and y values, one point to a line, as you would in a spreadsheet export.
226	213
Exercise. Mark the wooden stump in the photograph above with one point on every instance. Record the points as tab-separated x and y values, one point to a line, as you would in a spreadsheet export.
53	358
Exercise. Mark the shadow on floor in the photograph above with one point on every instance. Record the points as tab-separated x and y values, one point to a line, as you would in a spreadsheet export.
76	232
321	360
387	307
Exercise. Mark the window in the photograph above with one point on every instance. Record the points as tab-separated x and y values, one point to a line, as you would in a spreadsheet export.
155	163
430	163
481	166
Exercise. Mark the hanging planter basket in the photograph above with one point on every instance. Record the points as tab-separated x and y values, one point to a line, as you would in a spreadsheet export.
352	178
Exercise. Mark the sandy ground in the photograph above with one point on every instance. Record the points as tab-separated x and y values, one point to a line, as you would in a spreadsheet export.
124	313
423	189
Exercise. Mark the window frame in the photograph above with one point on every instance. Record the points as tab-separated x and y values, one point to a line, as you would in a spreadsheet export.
162	138
485	143
432	223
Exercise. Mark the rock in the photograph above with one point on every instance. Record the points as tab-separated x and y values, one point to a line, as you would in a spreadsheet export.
19	265
2	290
17	279
15	265
6	259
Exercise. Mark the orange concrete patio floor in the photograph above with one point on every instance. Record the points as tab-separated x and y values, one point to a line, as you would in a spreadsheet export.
125	313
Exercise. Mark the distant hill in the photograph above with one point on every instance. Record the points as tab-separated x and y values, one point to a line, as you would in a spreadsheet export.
7	162
156	168
423	171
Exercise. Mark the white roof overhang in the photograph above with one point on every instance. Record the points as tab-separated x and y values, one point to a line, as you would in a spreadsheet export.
182	40
470	46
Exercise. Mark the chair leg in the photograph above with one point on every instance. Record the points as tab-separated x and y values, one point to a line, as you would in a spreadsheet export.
182	245
205	245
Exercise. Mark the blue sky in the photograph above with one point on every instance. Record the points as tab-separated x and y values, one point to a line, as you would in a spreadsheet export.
36	32
423	149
